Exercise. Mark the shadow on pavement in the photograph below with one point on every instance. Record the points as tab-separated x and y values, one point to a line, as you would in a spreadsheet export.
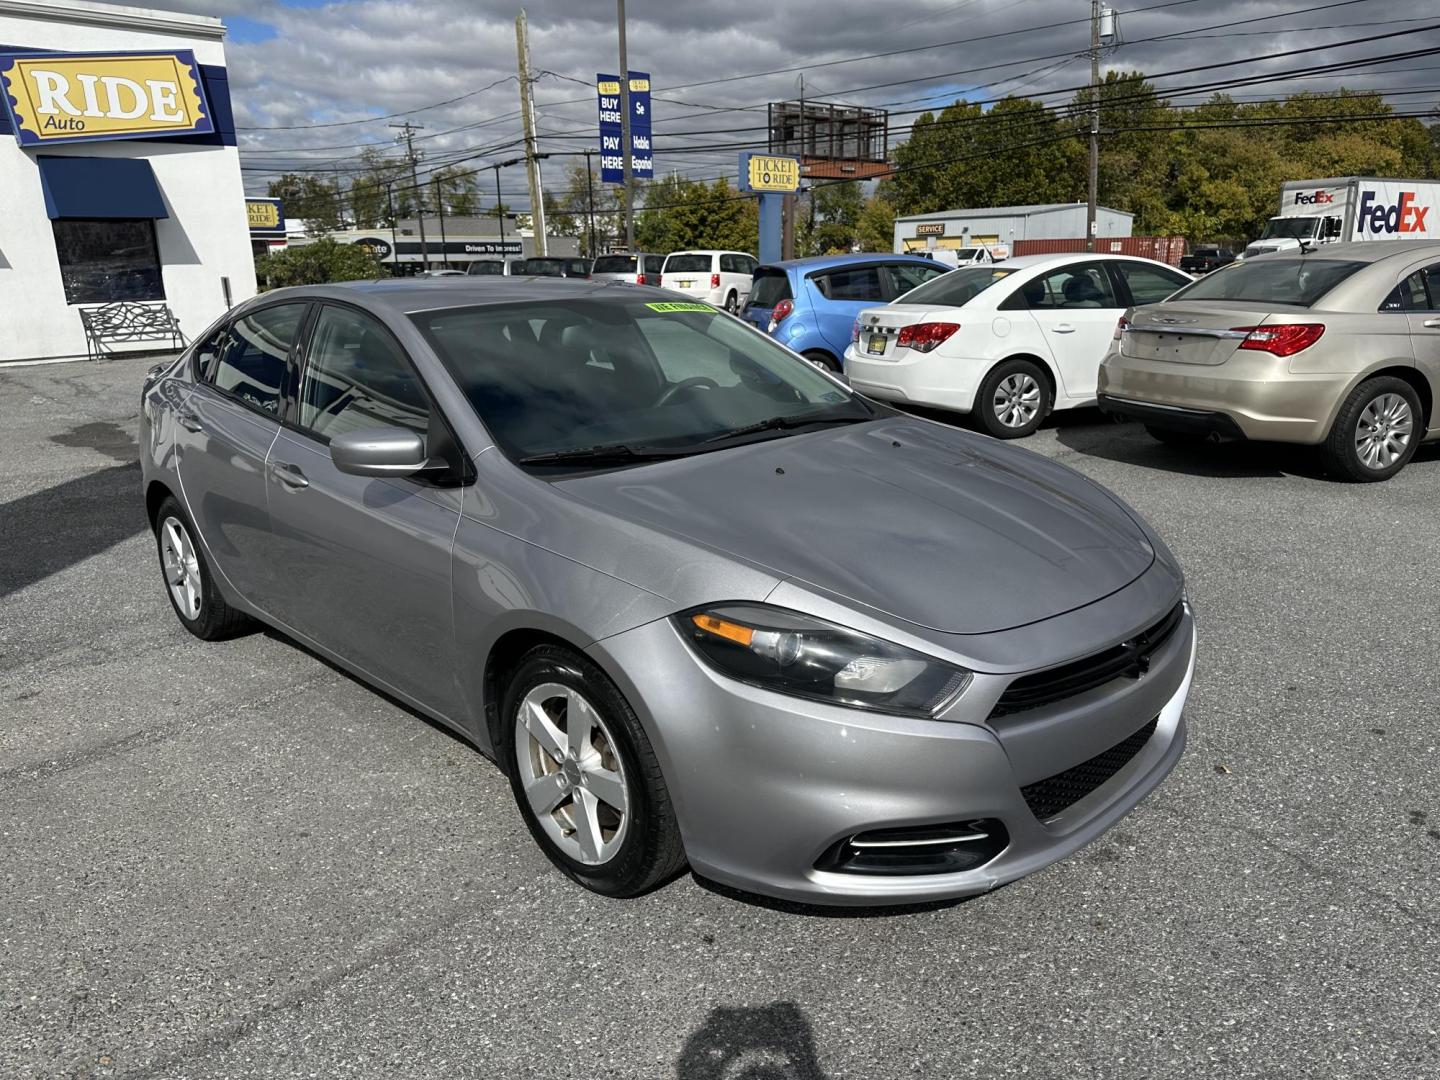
771	1042
50	530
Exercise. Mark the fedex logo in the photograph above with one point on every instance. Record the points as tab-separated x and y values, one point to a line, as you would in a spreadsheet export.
1401	217
1301	199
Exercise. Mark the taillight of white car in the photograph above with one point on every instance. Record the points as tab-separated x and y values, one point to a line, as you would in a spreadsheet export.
926	336
1282	339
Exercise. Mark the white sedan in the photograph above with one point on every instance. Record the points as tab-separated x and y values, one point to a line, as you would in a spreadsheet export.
1009	342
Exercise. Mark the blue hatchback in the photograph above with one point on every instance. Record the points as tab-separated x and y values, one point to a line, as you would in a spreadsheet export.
810	304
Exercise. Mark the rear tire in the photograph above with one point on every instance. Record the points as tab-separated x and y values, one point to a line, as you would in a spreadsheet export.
188	581
1376	432
567	779
732	302
1013	399
822	359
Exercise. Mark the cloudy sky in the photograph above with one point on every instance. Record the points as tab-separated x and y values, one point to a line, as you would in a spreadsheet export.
304	71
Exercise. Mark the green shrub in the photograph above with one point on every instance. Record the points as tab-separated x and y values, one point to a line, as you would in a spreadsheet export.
316	263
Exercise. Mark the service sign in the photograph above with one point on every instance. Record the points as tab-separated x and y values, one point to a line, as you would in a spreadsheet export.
766	172
267	217
83	97
930	228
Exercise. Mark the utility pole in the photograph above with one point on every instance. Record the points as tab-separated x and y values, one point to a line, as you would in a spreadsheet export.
625	131
527	112
1093	188
407	133
590	197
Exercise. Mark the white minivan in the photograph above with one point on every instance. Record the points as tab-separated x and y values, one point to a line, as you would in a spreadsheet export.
722	278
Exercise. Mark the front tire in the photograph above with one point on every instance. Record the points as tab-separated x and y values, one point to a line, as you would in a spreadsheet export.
1013	399
585	776
1376	431
188	580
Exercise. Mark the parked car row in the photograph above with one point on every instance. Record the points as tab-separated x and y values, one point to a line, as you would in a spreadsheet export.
721	278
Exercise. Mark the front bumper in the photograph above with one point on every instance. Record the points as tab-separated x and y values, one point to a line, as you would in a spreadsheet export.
1255	392
764	785
917	378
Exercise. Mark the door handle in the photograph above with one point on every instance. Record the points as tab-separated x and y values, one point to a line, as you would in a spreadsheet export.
1063	328
290	475
1433	324
189	421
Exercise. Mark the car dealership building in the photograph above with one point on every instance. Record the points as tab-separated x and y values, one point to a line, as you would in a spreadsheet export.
119	173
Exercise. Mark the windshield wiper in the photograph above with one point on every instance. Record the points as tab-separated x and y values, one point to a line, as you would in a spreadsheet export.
604	452
780	423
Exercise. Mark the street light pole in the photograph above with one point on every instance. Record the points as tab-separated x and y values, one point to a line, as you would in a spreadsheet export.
625	131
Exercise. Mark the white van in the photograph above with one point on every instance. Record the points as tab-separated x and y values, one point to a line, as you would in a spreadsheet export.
722	278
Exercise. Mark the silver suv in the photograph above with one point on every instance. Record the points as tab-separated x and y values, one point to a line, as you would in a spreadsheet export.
640	268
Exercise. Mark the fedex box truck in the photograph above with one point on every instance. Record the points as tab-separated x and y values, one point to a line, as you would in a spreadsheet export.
1314	212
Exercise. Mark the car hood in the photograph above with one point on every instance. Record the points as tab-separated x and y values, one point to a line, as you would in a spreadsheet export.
933	526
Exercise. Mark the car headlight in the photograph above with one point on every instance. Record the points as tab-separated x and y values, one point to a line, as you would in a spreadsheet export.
796	654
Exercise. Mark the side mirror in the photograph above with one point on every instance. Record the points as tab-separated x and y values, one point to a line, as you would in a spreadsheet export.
390	451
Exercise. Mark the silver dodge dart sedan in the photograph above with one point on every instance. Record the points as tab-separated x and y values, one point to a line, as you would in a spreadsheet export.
700	601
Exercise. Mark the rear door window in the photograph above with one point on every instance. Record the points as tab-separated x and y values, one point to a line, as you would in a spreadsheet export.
902	277
1149	284
1071	288
252	365
851	283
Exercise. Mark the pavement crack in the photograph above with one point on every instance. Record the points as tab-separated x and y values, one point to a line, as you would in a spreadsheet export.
17	775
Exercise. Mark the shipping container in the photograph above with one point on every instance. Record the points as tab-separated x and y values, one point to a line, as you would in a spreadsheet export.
1166	249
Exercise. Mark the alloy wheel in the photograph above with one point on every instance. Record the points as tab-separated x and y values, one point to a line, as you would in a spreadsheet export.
182	567
1017	400
571	773
1382	434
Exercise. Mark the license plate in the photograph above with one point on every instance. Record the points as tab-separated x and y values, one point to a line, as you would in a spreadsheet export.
684	284
875	344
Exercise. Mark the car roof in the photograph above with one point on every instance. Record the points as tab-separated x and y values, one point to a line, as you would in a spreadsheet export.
710	251
824	262
406	296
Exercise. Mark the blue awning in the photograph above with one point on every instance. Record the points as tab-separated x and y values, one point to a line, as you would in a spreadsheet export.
91	187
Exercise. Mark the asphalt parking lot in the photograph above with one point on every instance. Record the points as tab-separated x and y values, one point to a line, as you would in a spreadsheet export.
232	860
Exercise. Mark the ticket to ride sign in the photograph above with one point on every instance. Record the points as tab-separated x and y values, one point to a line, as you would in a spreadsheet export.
766	172
81	97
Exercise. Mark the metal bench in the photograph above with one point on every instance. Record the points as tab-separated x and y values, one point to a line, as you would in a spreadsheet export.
125	321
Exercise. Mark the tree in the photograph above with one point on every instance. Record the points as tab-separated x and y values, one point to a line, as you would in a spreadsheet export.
380	182
316	263
680	213
875	228
830	219
311	199
453	188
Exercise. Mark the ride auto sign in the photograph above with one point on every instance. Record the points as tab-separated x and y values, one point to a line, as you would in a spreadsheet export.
766	172
612	162
82	97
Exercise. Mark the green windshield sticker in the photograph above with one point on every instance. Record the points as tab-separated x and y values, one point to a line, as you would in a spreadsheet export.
680	307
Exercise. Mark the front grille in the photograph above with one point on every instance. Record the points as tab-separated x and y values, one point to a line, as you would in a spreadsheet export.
1129	658
951	848
1057	793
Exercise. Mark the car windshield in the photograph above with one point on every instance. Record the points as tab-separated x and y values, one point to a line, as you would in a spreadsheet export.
1272	280
687	264
583	376
957	287
487	267
1294	228
615	264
